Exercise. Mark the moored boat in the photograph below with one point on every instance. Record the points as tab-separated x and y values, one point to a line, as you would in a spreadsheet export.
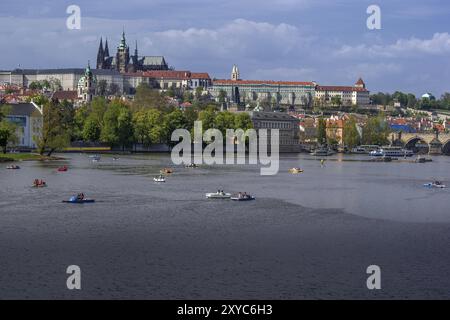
220	194
242	197
13	167
322	152
63	169
392	152
295	170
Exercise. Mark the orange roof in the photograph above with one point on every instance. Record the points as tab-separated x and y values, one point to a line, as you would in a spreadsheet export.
259	82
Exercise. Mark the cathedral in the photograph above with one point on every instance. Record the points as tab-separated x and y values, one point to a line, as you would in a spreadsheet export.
124	62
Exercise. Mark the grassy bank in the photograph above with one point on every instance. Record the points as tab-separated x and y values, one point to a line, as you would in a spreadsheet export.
25	157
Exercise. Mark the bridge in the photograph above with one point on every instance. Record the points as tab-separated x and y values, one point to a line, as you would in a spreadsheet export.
426	142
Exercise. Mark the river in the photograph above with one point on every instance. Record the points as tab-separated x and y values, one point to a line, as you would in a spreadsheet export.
306	236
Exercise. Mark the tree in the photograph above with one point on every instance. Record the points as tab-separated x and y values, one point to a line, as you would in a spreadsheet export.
7	134
375	132
117	128
198	93
147	97
55	128
222	96
224	120
113	89
321	131
102	88
91	130
336	101
350	135
243	121
172	121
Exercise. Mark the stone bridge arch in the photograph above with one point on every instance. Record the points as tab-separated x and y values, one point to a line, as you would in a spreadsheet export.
411	141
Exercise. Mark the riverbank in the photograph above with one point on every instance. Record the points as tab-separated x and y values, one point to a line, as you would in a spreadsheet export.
10	157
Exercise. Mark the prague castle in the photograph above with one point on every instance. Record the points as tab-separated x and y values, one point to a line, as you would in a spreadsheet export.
123	62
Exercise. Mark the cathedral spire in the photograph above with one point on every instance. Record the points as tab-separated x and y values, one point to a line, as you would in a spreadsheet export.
100	55
136	50
106	51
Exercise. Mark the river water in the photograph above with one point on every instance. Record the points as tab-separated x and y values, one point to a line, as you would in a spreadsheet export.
306	236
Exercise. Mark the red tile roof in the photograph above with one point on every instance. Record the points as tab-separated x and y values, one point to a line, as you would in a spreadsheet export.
65	95
259	82
340	88
170	74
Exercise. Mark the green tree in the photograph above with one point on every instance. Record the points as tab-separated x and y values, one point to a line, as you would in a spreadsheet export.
350	135
321	131
155	125
55	128
172	121
198	93
375	131
222	96
147	97
243	121
224	120
336	101
91	130
117	128
102	88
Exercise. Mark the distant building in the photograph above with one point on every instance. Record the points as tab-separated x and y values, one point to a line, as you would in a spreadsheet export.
266	93
164	80
124	62
287	125
349	96
28	118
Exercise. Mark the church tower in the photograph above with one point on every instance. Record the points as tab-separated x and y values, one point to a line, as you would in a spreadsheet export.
87	85
360	84
123	55
235	73
101	55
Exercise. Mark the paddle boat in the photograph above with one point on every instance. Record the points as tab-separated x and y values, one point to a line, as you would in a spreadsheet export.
166	171
295	170
78	199
159	179
191	165
242	197
39	184
220	194
436	184
95	157
13	167
63	169
115	158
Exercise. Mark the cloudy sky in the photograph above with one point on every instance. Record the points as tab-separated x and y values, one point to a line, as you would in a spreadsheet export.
322	40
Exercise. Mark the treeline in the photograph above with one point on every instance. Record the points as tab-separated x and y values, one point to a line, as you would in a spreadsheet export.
409	100
374	132
149	119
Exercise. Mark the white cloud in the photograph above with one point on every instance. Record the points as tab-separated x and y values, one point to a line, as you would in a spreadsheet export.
439	44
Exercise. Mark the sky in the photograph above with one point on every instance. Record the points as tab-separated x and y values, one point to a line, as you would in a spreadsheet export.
326	41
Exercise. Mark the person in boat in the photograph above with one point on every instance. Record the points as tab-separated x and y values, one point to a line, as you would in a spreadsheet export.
36	182
438	183
80	196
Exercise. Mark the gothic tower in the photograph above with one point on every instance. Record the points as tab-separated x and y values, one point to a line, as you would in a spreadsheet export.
100	56
106	51
123	55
